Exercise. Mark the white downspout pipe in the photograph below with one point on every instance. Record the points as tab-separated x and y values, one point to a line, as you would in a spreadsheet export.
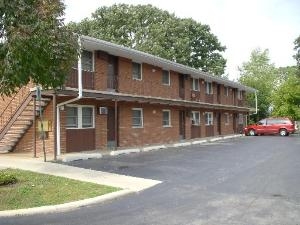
255	93
79	67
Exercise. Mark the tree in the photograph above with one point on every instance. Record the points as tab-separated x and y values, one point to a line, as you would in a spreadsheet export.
260	74
297	49
34	44
149	29
286	96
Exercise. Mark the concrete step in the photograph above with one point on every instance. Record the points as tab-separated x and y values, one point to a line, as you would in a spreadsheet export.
5	149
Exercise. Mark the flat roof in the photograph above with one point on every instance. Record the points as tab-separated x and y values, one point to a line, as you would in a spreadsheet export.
93	44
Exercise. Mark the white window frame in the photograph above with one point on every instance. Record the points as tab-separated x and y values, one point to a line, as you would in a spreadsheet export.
241	119
209	118
196	121
240	95
194	81
169	79
169	119
208	90
226	91
141	72
142	118
93	63
79	116
226	118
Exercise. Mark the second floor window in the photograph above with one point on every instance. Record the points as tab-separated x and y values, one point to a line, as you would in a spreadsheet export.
209	118
166	118
87	60
136	71
166	77
195	118
240	95
209	88
137	117
195	84
226	91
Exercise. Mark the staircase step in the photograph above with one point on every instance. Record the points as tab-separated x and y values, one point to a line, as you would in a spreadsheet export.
9	138
5	149
13	135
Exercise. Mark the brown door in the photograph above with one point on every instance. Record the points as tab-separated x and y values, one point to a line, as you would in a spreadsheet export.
181	85
181	125
112	72
111	142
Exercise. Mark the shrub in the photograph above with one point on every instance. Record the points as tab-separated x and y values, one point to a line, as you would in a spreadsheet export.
6	178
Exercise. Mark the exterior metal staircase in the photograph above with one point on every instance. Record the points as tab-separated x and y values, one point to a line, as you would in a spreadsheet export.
17	118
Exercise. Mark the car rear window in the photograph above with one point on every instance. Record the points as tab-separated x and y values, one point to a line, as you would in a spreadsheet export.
278	121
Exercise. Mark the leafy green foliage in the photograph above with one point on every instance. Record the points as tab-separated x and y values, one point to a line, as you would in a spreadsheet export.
297	49
7	178
35	45
260	74
149	29
286	96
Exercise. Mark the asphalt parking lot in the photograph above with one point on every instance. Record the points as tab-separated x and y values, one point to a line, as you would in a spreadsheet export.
247	180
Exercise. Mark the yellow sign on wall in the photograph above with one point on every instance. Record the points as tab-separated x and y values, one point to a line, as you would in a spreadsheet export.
47	125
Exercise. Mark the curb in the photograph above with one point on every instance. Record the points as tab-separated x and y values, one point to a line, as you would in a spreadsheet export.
65	206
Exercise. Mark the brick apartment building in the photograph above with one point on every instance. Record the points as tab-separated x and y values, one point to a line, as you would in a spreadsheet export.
119	97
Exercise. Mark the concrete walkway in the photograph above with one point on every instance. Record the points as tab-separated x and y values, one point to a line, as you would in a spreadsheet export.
127	183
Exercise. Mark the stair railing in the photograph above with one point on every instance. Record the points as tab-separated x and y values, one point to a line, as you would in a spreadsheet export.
13	105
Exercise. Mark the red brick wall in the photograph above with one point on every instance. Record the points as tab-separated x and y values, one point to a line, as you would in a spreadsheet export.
152	132
151	83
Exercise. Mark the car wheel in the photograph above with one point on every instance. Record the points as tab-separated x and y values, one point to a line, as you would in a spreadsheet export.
251	132
283	132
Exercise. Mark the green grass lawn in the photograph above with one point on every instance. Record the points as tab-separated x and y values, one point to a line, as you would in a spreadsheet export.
35	189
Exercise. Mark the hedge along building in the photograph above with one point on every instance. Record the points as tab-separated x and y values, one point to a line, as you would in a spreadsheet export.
119	97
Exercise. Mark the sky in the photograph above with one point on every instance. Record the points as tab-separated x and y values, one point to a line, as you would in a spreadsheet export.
240	25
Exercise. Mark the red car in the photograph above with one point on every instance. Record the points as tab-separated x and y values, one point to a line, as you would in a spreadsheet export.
281	126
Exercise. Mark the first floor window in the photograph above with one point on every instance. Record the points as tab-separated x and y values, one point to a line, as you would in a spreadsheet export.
208	118
137	117
226	118
241	118
166	118
79	116
195	118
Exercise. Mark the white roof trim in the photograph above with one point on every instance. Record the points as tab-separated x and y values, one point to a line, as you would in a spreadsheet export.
93	44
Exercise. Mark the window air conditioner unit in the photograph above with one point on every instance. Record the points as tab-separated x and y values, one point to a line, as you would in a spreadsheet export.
103	110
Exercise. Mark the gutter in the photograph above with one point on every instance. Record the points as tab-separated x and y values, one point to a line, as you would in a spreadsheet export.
58	150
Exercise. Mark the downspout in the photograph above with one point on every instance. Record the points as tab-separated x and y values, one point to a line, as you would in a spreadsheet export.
69	101
255	93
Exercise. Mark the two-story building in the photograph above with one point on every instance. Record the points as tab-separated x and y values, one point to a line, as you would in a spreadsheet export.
118	97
